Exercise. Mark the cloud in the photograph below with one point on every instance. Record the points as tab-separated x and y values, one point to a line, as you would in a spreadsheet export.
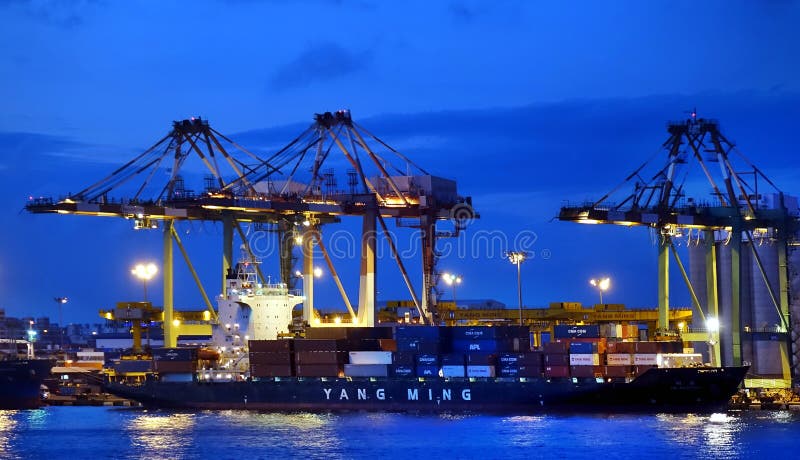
318	63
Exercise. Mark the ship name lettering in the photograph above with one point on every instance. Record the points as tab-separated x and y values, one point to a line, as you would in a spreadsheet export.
362	393
381	394
327	393
447	394
343	395
430	394
413	395
466	394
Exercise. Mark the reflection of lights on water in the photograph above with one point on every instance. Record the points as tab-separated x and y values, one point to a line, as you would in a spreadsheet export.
7	424
164	434
718	418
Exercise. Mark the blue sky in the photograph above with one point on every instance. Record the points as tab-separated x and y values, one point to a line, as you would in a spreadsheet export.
525	103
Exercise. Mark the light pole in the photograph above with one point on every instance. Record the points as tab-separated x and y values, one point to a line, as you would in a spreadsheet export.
602	285
145	273
516	258
60	301
452	280
712	325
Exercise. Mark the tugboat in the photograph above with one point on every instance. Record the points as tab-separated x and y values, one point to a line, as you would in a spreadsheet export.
21	375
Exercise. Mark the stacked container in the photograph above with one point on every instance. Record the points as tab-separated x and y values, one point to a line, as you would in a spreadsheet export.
320	357
175	360
271	358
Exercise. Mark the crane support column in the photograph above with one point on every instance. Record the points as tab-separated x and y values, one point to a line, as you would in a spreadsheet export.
711	286
783	299
227	248
663	283
736	295
366	288
170	332
428	245
308	274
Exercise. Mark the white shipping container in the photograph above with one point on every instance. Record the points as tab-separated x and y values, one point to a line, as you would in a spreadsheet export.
453	371
584	359
619	359
370	357
366	370
645	359
480	371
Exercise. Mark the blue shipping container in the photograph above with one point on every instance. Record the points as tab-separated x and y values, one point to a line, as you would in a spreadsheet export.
580	348
401	371
427	370
486	346
428	359
568	332
416	332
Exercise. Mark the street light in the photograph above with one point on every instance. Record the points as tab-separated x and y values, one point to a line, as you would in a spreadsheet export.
317	272
145	273
712	325
60	301
452	280
516	258
601	285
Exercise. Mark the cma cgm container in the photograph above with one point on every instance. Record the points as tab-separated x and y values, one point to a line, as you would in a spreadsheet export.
567	332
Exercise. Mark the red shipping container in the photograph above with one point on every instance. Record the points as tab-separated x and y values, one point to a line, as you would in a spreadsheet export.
319	370
271	357
556	347
556	371
617	371
388	344
280	345
320	357
270	370
646	347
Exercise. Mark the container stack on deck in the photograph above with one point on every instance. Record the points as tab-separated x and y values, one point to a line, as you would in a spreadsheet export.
448	352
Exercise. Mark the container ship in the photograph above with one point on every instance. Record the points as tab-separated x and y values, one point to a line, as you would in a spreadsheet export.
21	375
420	368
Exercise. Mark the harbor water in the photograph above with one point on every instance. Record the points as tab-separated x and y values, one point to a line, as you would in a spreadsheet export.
136	433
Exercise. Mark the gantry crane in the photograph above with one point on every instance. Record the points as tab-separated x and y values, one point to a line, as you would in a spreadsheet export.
293	192
661	202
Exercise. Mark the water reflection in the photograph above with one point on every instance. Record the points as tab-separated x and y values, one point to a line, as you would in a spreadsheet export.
162	435
7	425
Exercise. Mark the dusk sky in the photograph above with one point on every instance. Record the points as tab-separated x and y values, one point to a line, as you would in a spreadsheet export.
527	104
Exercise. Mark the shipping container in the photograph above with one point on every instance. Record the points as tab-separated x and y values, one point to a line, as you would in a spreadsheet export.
621	347
416	345
556	359
592	359
532	358
401	370
490	332
586	371
271	370
556	371
428	359
370	357
404	358
318	370
564	332
583	348
619	359
174	354
452	359
387	344
163	367
489	346
270	357
504	358
480	371
616	371
271	346
647	347
555	347
319	344
453	371
645	359
417	332
349	333
366	370
427	370
320	357
680	360
481	359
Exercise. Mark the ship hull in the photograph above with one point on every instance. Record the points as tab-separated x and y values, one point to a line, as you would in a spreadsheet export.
20	382
657	390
